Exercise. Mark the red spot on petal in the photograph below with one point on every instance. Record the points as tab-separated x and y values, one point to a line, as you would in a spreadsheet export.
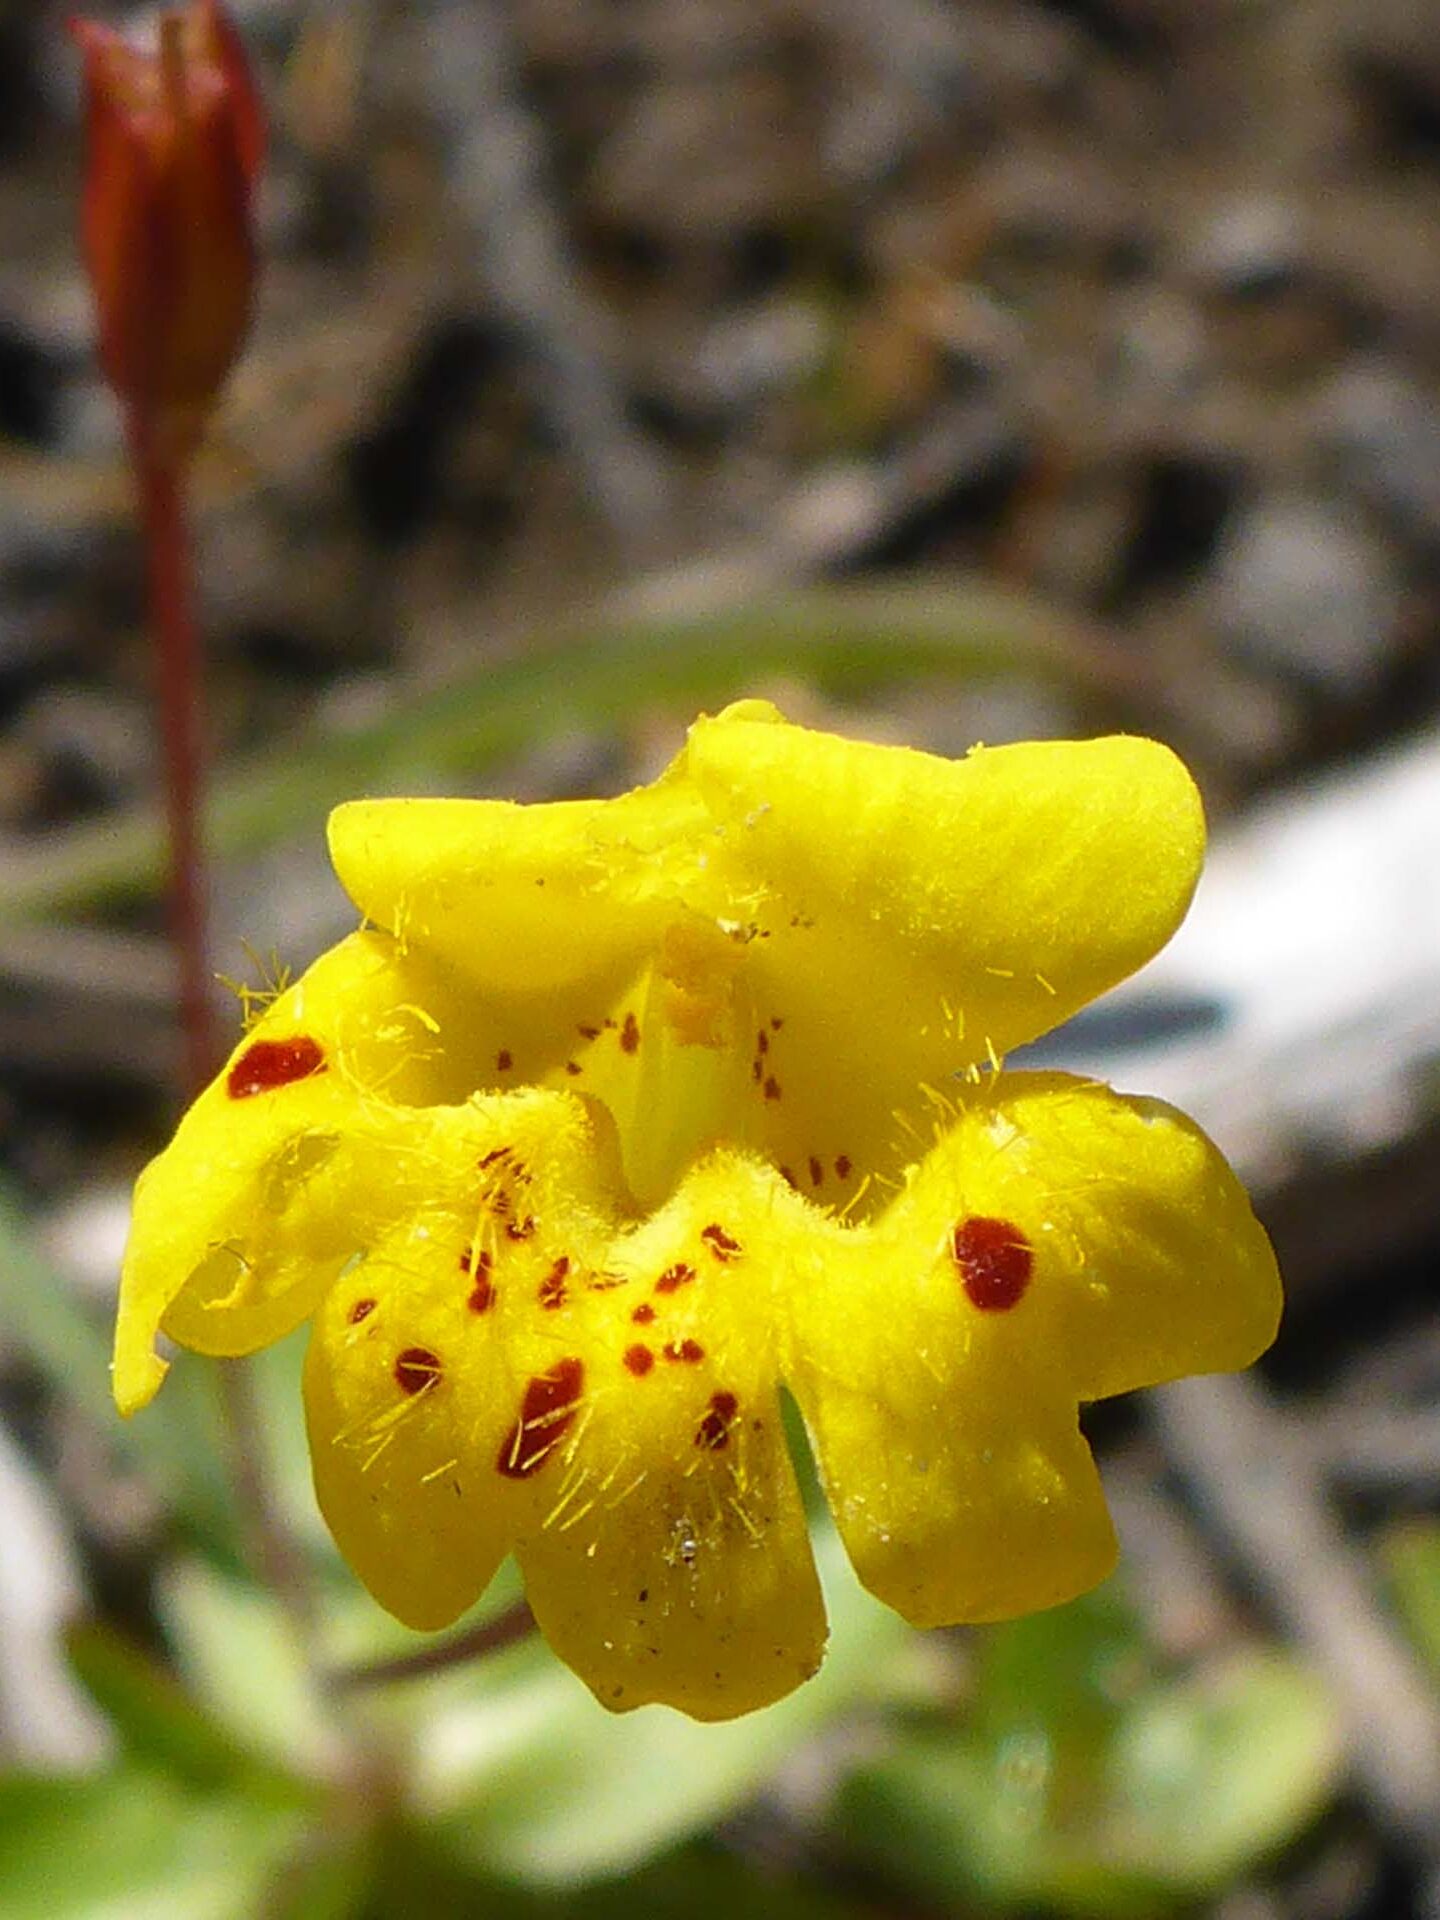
417	1369
643	1314
688	1351
817	1172
630	1034
757	1071
476	1260
995	1260
588	1033
482	1294
520	1229
361	1310
788	1177
714	1430
639	1359
553	1291
772	1088
573	1067
680	1275
842	1166
762	1041
547	1411
495	1153
775	1025
504	1060
721	1244
268	1064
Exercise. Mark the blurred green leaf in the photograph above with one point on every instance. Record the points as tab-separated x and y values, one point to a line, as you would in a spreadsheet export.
133	1844
239	1653
694	1882
851	637
158	1721
1191	1783
1411	1557
175	1444
1223	1768
518	1770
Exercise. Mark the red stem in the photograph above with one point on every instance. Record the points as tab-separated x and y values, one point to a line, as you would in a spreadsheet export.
161	476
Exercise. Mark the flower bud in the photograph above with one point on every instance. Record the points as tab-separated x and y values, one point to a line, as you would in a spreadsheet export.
174	143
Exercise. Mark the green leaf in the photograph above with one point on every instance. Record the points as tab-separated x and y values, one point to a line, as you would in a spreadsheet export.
237	1650
175	1444
851	637
520	1772
1199	1780
695	1882
159	1722
133	1844
1411	1557
1223	1769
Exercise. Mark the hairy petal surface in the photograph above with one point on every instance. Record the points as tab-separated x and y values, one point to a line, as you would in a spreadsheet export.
669	1559
1059	1243
1000	892
269	1186
425	1355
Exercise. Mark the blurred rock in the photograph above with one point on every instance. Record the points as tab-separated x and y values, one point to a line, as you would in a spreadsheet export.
1306	589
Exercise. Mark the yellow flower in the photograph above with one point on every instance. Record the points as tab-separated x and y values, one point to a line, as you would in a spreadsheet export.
620	1114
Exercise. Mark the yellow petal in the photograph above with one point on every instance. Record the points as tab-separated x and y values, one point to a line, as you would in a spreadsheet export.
667	1558
527	899
950	1451
429	1353
981	900
1146	1260
1058	1243
260	1199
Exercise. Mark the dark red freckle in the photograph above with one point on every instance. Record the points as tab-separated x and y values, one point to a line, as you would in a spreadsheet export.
573	1067
479	1261
643	1595
677	1276
520	1229
417	1369
756	1071
772	1088
842	1166
775	1025
547	1411
588	1033
689	1351
643	1314
361	1310
788	1177
553	1291
762	1041
714	1430
496	1153
720	1243
639	1359
817	1172
630	1034
482	1295
995	1260
504	1060
274	1063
